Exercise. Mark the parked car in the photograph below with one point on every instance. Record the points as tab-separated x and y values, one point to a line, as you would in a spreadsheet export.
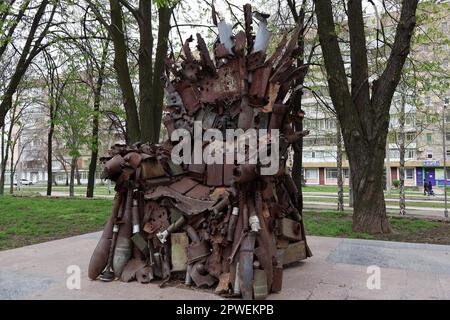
24	182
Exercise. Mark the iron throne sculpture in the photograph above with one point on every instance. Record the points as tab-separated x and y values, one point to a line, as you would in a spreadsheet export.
212	224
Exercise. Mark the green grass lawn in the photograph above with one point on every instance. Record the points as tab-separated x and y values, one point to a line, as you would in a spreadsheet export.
412	203
29	220
99	190
332	223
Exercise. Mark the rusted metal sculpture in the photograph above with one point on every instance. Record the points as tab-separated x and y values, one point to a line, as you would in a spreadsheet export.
215	224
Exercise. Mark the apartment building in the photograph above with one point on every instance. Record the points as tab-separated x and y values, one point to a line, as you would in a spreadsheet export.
424	118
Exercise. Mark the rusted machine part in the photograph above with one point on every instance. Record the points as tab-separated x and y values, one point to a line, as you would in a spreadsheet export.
123	249
253	219
101	254
217	210
246	266
162	236
232	224
245	173
200	276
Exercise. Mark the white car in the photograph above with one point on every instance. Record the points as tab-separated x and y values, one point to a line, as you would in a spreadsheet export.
24	182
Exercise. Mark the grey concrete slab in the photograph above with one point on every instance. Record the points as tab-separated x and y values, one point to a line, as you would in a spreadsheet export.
338	270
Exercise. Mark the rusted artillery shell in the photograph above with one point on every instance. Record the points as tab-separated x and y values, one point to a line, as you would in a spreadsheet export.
122	254
113	167
123	250
99	257
246	266
133	159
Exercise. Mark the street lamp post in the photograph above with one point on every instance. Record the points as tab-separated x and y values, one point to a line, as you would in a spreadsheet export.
445	156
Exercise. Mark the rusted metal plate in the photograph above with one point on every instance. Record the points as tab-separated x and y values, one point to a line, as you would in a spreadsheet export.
184	185
260	80
289	229
214	174
179	243
225	85
200	191
295	252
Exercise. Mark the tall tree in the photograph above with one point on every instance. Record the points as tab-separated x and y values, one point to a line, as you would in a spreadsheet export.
143	122
33	45
363	109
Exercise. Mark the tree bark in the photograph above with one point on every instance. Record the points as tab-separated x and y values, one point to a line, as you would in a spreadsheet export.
50	154
364	118
164	14
73	165
95	126
77	174
146	114
123	72
340	182
402	150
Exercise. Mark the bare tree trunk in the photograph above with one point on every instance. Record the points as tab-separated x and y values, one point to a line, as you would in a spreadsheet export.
11	172
402	151
73	165
340	181
123	72
2	152
95	125
363	109
50	156
77	174
164	14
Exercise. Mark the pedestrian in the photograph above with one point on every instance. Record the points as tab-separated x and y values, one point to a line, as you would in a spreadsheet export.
425	187
430	189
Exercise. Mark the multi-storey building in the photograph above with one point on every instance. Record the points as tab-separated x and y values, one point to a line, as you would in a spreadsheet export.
423	116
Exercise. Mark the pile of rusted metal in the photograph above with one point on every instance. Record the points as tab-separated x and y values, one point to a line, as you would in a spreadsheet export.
223	225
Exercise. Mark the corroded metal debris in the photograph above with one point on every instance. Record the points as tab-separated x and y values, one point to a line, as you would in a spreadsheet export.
222	225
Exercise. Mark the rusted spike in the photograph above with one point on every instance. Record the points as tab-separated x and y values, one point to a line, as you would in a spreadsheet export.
274	57
239	45
248	26
187	50
204	55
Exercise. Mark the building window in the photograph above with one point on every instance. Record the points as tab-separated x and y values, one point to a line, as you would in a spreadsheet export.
410	136
410	153
311	174
445	64
331	173
427	101
447	152
444	26
429	155
409	174
429	137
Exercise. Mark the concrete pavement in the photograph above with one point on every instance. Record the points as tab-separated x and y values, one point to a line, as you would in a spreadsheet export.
338	270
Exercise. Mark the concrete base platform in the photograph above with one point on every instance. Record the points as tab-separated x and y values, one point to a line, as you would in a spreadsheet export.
338	270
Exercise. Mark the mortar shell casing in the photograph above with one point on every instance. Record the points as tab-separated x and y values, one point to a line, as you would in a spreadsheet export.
122	254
